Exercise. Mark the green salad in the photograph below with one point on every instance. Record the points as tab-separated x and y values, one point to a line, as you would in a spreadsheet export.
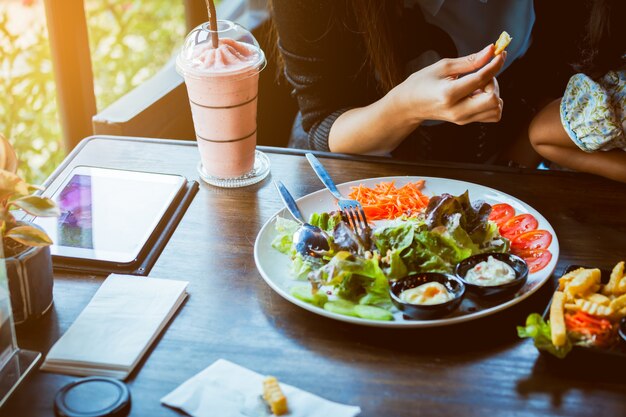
356	270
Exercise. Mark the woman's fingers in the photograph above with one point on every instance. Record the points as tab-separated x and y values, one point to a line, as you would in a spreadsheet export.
473	105
488	116
467	84
453	67
492	87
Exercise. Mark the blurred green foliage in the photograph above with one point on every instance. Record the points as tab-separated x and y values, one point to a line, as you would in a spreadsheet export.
28	110
129	39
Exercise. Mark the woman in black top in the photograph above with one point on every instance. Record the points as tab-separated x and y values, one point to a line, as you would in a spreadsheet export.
347	61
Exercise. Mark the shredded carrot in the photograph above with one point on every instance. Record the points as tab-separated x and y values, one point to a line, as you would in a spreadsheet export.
597	329
385	201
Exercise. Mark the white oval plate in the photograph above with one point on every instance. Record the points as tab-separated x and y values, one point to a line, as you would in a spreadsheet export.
275	266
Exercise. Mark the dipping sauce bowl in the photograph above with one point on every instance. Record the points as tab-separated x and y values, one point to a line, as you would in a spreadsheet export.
519	267
427	311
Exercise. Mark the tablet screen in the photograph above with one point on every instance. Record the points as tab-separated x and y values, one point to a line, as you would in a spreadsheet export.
107	214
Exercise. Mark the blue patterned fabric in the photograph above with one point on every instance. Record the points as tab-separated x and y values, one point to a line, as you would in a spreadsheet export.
593	113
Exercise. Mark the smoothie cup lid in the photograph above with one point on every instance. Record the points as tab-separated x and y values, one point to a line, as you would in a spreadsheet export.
238	52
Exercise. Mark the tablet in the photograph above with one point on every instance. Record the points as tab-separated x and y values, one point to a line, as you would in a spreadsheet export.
109	215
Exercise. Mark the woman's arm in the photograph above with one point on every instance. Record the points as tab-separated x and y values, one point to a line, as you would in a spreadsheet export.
549	139
437	92
336	94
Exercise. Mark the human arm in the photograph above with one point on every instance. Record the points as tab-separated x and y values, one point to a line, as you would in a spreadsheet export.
325	63
441	91
550	139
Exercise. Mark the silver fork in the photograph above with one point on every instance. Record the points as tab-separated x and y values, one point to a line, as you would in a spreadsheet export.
352	208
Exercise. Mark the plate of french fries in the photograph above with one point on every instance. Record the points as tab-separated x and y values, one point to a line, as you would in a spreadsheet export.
585	311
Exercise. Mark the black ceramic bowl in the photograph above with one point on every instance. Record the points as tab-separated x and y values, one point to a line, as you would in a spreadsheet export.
426	312
517	263
622	329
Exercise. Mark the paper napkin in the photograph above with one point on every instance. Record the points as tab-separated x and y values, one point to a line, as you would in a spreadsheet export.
228	390
117	327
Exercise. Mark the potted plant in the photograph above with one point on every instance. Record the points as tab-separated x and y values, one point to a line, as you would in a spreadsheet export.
26	246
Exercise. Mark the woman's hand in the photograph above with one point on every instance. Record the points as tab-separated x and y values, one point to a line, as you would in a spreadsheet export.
460	90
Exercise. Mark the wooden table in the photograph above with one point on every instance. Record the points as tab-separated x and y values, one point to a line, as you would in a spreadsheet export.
475	369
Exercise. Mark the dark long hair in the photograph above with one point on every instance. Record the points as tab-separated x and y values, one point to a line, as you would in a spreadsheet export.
374	20
605	43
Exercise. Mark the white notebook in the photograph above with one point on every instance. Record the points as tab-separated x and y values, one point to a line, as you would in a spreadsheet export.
117	327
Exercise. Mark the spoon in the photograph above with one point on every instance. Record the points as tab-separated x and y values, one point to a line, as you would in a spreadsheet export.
622	329
308	238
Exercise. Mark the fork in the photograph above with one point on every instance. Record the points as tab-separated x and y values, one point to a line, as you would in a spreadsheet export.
352	208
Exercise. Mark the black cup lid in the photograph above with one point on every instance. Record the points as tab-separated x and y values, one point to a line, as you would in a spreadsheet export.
96	396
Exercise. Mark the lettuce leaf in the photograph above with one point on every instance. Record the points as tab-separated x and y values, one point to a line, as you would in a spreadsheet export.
494	242
285	229
539	330
394	237
325	221
354	278
472	216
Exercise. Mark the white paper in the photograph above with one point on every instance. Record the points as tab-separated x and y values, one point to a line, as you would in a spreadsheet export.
228	390
117	327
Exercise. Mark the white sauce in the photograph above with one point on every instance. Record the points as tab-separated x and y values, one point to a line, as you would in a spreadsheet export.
490	273
426	294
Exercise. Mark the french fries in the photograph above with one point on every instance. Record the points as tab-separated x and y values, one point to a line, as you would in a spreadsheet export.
567	278
594	309
619	302
274	397
583	282
616	277
502	42
582	290
557	320
598	299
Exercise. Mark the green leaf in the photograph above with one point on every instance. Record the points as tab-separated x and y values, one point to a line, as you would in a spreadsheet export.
29	236
37	206
539	330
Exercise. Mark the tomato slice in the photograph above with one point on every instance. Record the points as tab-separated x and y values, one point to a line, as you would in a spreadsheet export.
517	225
536	259
501	213
535	239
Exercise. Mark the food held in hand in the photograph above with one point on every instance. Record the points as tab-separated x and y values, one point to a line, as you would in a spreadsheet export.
490	273
274	397
503	41
427	294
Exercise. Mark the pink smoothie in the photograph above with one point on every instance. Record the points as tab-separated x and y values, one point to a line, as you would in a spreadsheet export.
222	84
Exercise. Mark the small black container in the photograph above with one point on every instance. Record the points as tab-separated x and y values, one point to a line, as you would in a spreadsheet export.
96	396
622	329
427	312
519	266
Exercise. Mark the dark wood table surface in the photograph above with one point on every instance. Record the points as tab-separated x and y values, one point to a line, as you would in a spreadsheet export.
474	369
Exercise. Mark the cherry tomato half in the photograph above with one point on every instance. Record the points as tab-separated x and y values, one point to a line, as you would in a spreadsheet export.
536	259
535	239
501	213
517	225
